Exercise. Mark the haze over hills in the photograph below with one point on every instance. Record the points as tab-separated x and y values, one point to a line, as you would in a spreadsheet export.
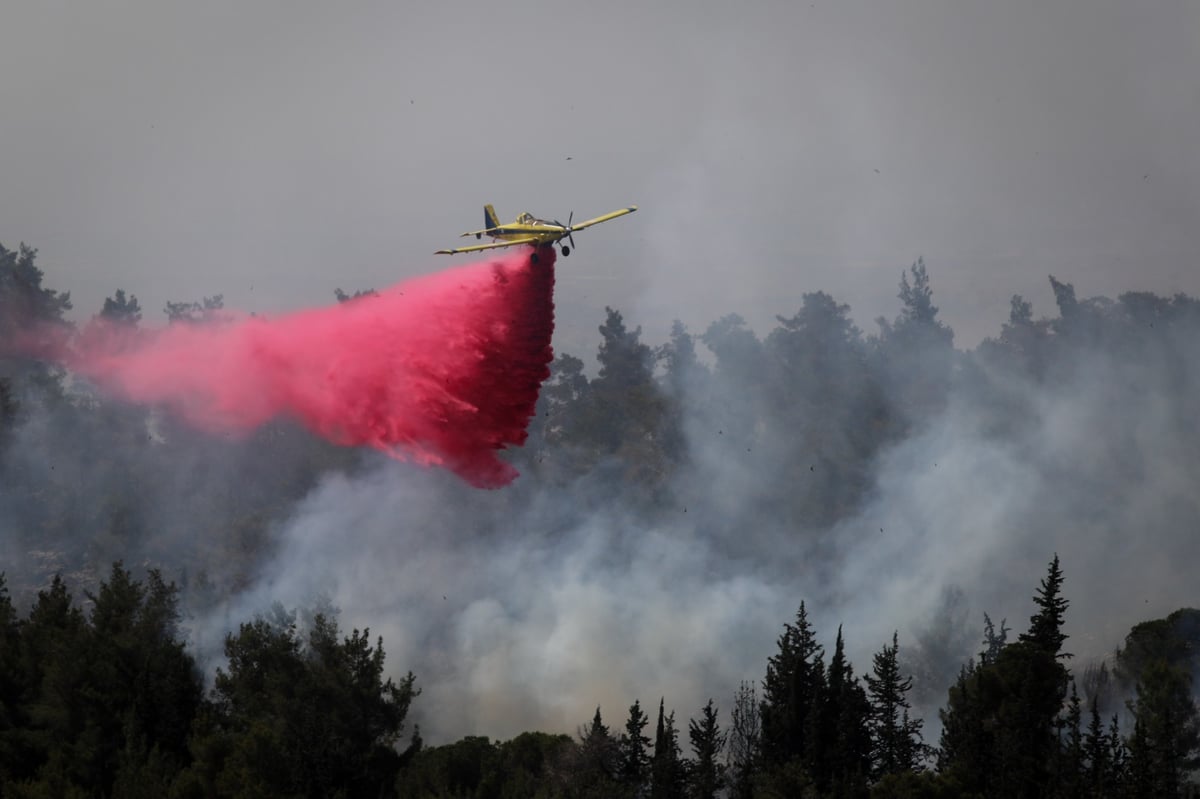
822	363
669	515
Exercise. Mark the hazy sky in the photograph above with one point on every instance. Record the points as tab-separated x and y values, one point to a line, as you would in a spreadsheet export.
272	151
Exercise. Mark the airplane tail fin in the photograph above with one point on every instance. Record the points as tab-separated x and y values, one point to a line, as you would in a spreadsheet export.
490	221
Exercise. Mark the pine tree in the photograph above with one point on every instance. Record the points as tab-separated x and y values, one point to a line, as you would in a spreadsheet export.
626	411
840	750
896	740
1001	722
302	715
1167	732
122	310
993	641
916	352
792	692
667	769
54	669
634	764
1071	773
1140	778
1118	756
917	296
745	737
1045	626
1099	775
708	741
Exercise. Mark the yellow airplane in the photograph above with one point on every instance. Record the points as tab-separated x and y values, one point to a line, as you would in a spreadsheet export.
528	229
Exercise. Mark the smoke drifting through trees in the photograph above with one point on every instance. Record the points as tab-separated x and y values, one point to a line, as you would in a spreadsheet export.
671	514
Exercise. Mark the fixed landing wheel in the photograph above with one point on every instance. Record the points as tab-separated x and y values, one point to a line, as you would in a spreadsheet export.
533	257
566	251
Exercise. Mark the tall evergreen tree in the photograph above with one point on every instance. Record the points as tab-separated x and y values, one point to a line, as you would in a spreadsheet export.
1071	769
1166	747
1100	772
792	693
52	748
916	353
707	776
745	740
821	391
625	413
895	738
634	765
1001	722
145	685
1046	625
840	749
667	770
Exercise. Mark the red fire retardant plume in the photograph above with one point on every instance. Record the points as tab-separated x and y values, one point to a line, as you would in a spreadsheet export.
443	369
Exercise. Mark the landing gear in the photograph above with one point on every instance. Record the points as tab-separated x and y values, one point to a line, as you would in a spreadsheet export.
566	251
533	257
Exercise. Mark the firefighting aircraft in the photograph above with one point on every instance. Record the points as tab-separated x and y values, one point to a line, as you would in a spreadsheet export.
528	229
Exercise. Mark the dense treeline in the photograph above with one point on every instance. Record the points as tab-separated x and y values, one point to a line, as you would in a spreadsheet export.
105	698
109	702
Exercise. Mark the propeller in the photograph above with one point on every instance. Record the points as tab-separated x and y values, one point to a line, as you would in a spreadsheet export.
568	228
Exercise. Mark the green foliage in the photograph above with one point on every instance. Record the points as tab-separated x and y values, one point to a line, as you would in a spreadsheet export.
454	770
745	741
108	702
668	770
1165	746
1174	640
83	698
707	773
840	751
1001	721
23	299
299	715
122	310
916	354
895	738
633	767
26	306
207	310
827	404
792	693
1045	626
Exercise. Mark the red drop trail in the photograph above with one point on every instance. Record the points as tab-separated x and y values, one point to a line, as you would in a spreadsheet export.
444	369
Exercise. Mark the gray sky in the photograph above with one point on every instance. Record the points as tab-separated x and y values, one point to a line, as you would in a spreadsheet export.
271	151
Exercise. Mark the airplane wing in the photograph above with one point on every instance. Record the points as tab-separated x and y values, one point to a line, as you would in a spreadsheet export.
472	233
605	218
493	246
